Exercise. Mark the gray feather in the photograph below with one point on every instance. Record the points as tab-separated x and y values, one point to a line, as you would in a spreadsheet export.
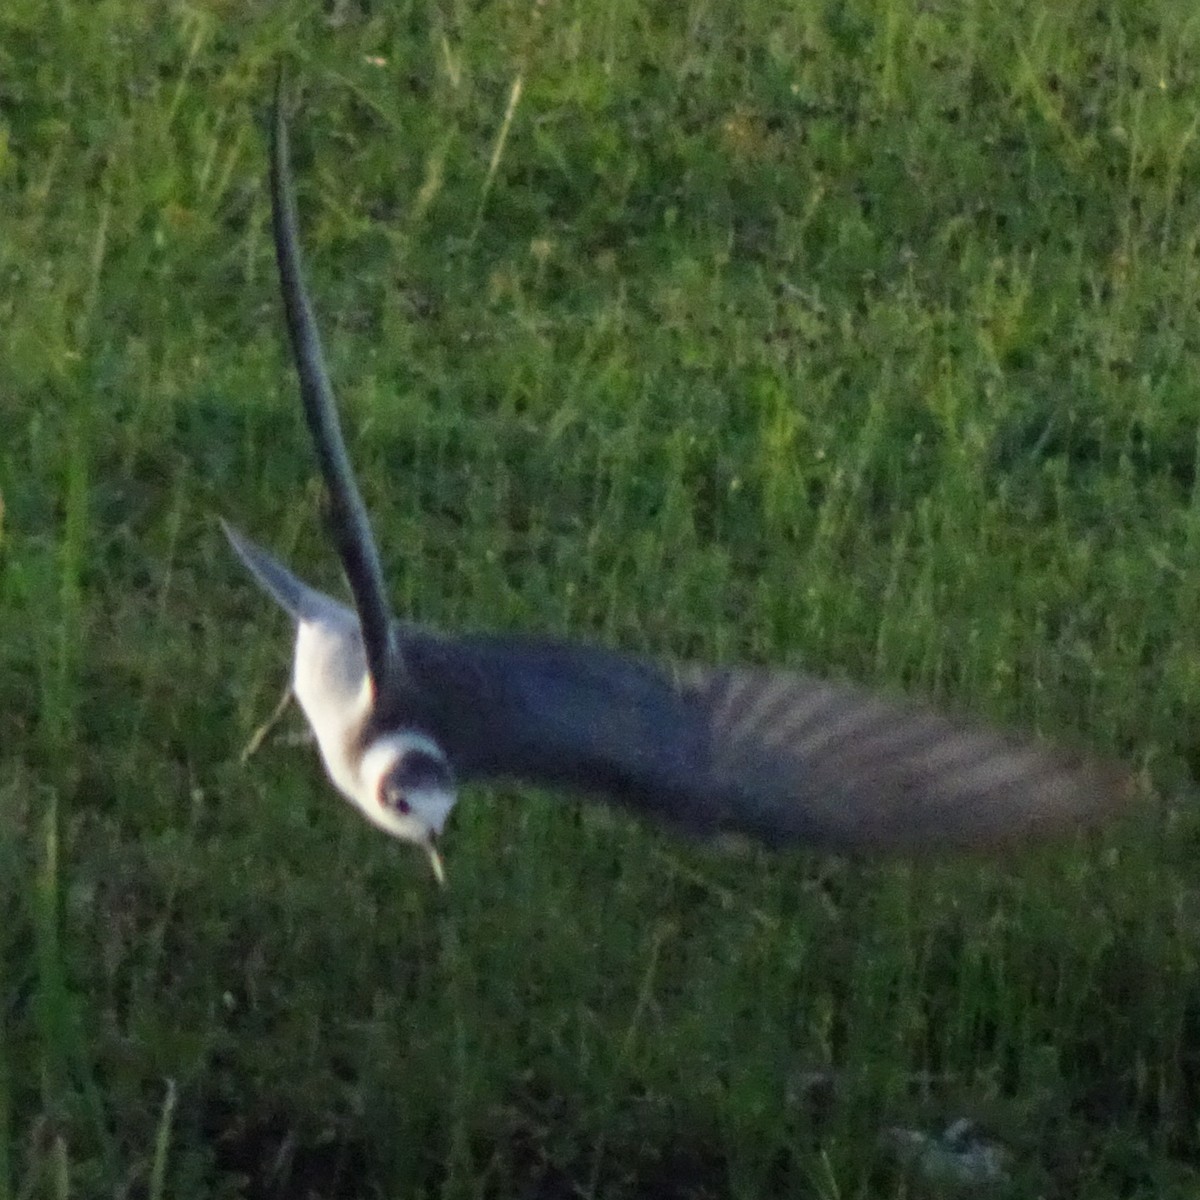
290	593
777	755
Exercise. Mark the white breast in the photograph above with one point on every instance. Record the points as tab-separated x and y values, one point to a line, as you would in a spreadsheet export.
331	683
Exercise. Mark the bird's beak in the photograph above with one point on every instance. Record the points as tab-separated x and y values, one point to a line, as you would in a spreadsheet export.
435	860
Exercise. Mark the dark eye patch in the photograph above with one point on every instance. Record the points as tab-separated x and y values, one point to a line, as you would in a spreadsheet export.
418	771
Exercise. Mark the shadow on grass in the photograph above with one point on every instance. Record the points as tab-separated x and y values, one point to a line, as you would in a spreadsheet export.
525	1155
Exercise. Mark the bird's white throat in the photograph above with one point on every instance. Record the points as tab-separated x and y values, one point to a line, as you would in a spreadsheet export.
333	688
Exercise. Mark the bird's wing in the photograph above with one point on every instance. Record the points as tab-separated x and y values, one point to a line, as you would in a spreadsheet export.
304	603
777	755
348	516
792	756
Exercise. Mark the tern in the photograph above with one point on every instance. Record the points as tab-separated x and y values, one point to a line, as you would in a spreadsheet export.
403	714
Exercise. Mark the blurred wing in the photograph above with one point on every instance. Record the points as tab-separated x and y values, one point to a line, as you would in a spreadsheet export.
777	755
351	526
794	757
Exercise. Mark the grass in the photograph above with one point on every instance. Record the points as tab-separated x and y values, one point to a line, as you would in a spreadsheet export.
860	335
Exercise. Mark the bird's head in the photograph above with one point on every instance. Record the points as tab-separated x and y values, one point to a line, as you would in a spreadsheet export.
409	790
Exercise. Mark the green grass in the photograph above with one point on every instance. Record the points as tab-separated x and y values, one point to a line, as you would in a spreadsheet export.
862	335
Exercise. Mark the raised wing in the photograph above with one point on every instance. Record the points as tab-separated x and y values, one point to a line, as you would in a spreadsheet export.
348	516
779	756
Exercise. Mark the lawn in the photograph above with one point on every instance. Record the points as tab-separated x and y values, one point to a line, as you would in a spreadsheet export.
860	335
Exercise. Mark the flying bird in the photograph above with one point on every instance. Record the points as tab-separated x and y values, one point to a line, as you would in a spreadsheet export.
402	714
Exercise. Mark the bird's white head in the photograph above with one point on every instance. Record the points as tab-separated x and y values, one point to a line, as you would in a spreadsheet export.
408	790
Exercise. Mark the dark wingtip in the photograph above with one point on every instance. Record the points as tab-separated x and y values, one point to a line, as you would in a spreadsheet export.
279	146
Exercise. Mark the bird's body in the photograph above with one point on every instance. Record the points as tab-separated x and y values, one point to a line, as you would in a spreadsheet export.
334	688
778	755
401	712
330	681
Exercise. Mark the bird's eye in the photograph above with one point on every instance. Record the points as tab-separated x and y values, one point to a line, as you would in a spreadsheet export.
394	798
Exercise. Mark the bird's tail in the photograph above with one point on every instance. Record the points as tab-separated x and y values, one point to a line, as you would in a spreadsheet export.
301	601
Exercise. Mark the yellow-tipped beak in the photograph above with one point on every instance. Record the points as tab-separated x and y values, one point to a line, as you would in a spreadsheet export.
435	861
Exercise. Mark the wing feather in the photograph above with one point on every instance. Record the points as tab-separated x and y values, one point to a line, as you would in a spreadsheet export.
841	766
781	756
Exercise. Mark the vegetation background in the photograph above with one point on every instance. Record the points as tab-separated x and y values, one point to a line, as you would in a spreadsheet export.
861	334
